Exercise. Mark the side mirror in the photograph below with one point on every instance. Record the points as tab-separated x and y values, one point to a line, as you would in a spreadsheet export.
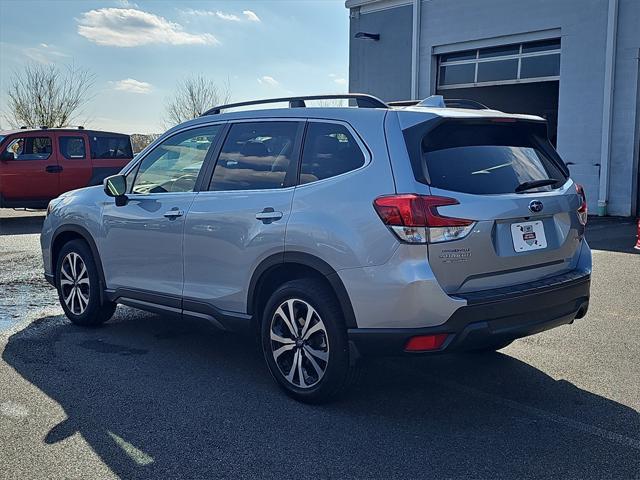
6	156
116	186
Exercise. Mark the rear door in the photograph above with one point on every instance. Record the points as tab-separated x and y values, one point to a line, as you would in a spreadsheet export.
74	160
241	219
29	169
523	233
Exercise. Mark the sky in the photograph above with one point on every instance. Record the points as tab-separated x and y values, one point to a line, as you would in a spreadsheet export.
140	50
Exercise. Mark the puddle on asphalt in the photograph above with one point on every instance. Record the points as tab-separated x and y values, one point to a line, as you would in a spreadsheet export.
20	301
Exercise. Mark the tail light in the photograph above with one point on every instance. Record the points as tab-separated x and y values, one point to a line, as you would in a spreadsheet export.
424	343
583	210
415	218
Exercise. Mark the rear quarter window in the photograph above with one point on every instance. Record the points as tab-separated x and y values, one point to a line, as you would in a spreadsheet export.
329	150
488	159
111	146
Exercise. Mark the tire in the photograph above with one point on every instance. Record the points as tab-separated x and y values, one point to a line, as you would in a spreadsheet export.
310	367
84	306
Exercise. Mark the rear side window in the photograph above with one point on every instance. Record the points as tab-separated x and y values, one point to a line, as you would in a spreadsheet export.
30	148
256	156
488	159
114	146
329	150
72	148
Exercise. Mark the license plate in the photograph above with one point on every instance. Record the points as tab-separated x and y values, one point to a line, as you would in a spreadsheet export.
528	236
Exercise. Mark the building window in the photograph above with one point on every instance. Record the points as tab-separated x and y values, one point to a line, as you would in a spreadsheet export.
501	65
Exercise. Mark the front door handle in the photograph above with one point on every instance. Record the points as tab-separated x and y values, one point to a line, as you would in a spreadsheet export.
268	215
174	213
53	169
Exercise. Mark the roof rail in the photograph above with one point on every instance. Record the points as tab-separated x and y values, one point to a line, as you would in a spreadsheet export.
438	101
362	101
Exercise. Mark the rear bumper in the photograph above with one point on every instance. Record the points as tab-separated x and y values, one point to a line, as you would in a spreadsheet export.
491	317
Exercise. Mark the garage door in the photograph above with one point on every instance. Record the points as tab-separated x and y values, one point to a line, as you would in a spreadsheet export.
516	78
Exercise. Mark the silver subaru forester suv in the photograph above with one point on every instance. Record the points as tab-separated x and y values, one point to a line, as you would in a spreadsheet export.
334	233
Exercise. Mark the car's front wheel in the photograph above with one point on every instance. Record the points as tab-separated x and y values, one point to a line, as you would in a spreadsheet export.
305	343
78	286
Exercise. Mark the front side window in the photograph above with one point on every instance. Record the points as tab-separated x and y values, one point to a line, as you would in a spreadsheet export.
30	148
72	148
329	150
256	156
174	165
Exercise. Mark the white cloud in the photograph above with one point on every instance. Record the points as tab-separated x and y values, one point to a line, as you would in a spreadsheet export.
228	16
340	81
127	27
332	75
43	53
132	86
251	16
267	80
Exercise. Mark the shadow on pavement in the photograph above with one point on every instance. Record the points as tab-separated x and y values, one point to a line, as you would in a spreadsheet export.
21	225
614	234
157	397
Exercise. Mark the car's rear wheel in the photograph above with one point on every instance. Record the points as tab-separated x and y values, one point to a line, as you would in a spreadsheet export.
304	340
78	285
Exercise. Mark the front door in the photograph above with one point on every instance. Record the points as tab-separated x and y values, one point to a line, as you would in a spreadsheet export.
143	240
241	219
29	169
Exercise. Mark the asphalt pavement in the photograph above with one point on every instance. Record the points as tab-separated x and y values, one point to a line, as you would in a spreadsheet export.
150	397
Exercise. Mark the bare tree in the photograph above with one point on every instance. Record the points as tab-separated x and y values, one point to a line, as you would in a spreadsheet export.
47	95
194	95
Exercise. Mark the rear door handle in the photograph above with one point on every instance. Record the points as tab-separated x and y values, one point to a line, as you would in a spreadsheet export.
174	213
268	215
53	169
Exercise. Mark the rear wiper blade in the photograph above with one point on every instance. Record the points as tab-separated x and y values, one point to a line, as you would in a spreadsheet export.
535	184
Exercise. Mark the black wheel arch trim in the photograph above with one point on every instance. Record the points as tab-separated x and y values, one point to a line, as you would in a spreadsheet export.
307	260
86	236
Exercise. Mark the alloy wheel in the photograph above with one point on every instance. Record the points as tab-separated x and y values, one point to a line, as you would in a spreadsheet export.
74	283
299	343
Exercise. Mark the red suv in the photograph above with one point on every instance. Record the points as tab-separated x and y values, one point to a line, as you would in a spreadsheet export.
37	165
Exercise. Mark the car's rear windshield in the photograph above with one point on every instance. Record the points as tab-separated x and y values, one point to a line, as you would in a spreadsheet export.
488	158
110	146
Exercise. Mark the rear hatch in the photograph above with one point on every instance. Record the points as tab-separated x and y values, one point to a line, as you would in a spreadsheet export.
505	176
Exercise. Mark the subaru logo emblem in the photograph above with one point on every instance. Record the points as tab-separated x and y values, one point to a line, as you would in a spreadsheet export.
536	206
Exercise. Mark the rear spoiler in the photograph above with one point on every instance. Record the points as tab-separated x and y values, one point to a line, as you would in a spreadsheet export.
438	101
